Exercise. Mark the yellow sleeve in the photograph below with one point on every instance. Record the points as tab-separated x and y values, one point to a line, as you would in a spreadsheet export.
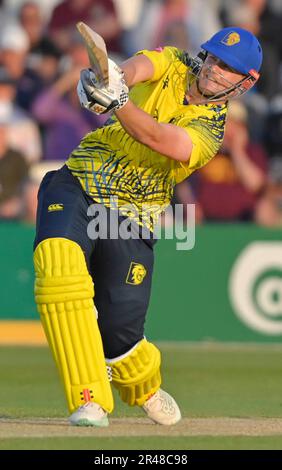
161	59
206	143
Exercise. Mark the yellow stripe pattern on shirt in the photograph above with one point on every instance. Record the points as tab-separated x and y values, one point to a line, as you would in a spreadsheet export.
110	164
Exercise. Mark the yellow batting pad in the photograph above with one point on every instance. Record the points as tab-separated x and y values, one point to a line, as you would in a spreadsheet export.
137	375
64	296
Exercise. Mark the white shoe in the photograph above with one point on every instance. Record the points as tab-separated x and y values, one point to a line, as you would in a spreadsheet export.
90	414
162	408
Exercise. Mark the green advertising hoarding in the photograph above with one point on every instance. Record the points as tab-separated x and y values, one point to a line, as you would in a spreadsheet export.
227	288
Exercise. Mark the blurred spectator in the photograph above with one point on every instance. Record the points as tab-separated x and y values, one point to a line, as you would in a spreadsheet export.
12	7
58	110
269	208
228	187
202	22
23	134
43	58
98	14
184	193
13	173
33	23
273	129
35	176
46	65
14	47
257	17
156	19
197	18
270	23
176	34
129	14
76	55
170	12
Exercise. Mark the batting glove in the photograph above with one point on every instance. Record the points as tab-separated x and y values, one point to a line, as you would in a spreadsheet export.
100	99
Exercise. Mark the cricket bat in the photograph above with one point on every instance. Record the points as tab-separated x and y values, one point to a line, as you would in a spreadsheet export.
97	53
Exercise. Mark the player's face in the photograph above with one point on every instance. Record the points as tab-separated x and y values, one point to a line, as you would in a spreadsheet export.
215	76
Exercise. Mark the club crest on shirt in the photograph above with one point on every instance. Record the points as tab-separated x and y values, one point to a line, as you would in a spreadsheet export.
136	274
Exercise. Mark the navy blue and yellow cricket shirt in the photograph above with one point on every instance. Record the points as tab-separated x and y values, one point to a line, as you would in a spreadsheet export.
110	163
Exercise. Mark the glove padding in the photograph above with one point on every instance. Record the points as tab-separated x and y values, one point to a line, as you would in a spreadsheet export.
100	99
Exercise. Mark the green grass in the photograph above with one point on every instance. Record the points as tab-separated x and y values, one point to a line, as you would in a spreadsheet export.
207	382
145	443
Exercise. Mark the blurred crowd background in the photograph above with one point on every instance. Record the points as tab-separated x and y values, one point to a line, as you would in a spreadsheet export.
41	121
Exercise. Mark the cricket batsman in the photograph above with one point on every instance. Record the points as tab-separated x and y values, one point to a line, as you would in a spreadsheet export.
92	294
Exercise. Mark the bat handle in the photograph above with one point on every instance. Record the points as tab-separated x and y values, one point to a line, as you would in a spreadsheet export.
113	104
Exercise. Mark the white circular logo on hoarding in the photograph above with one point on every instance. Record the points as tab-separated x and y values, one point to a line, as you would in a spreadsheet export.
255	287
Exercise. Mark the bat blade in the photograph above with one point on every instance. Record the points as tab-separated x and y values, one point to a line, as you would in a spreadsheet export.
97	53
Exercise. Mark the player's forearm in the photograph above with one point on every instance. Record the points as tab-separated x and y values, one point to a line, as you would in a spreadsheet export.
139	124
167	139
